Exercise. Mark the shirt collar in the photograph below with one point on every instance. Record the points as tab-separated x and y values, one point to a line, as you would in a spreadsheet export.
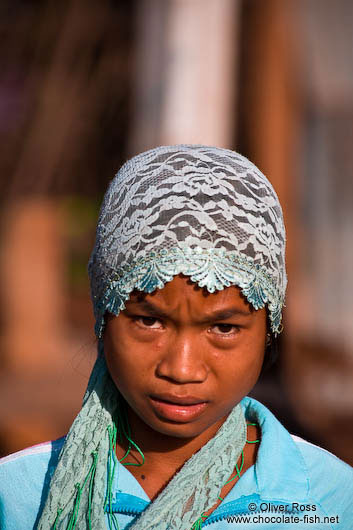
280	470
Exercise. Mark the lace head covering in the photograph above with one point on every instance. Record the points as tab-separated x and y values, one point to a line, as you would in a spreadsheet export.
206	212
211	215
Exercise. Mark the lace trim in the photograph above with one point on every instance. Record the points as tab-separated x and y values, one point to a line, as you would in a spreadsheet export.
212	268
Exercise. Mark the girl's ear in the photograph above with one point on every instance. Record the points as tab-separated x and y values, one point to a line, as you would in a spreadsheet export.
271	354
271	348
108	316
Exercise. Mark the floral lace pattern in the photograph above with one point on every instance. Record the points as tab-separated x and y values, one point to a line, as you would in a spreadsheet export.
202	211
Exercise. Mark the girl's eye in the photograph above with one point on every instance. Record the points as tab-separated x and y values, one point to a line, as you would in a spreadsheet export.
225	329
149	322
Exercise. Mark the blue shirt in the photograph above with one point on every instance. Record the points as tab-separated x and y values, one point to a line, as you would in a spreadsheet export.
293	484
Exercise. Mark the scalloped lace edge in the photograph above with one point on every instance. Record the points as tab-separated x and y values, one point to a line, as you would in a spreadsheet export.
212	268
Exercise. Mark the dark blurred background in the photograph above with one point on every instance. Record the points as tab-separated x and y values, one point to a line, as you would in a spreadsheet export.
85	84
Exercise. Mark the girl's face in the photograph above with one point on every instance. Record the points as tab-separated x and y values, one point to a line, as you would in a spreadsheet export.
182	358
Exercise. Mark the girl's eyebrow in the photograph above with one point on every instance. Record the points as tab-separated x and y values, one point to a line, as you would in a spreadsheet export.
215	316
224	314
148	307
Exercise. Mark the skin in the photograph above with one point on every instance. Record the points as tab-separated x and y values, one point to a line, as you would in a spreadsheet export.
183	341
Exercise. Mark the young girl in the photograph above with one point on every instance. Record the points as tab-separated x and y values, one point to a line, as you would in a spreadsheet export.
188	282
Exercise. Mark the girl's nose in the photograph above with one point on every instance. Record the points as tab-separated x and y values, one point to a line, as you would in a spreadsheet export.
183	360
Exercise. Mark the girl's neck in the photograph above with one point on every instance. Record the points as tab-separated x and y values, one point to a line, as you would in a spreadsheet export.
165	455
163	451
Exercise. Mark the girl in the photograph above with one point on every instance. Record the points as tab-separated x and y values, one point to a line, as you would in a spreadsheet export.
188	282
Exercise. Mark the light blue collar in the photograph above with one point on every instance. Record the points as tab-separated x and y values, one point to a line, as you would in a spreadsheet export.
280	470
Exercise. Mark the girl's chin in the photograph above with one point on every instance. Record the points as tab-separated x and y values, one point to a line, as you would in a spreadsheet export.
181	431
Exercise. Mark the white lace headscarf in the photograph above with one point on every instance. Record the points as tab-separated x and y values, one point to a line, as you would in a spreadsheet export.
210	214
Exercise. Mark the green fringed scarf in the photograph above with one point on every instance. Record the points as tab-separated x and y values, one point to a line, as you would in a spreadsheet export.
80	489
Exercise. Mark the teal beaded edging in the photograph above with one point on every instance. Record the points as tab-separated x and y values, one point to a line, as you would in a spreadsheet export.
211	268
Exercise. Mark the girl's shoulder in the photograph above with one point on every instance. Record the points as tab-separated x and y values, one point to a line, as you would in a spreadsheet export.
317	457
294	470
330	482
37	451
24	481
328	474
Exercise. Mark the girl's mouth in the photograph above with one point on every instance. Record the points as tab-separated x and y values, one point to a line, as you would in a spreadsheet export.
177	409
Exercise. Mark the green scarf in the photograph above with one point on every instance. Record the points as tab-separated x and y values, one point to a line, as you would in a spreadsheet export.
79	492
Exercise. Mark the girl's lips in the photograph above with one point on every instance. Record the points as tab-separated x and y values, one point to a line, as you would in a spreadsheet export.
177	412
